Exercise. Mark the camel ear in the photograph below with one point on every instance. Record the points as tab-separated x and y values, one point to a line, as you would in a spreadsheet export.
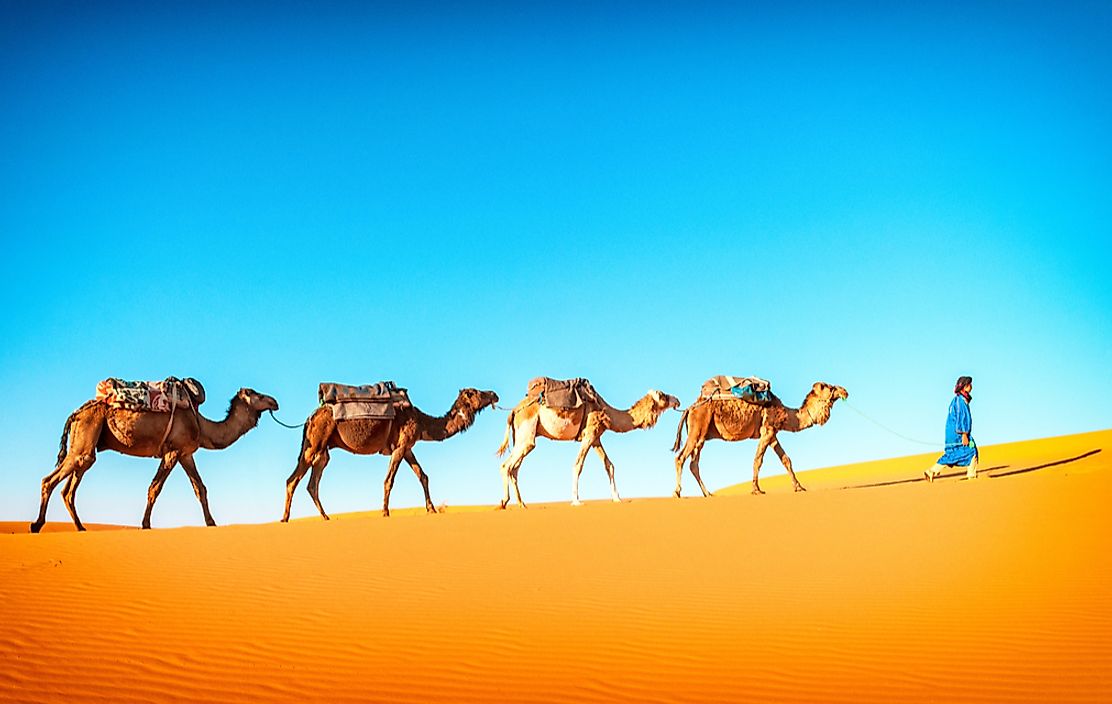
657	397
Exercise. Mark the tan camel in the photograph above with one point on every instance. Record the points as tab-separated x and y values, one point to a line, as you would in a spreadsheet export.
732	420
394	437
97	426
530	420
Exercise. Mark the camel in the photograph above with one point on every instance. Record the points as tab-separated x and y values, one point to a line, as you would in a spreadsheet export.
144	433
530	419
394	437
732	420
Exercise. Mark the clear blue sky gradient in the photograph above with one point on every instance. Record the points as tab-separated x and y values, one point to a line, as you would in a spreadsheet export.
475	195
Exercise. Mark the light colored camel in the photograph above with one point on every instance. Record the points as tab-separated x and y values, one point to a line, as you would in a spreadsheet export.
733	420
394	437
97	426
530	420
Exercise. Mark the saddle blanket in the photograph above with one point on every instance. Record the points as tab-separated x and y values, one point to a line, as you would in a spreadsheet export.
372	401
158	396
746	388
352	410
563	394
383	390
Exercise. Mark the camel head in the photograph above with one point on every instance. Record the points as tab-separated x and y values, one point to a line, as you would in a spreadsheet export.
663	401
475	399
255	401
828	392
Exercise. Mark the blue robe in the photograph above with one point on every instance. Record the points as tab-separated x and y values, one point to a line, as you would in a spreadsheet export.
958	421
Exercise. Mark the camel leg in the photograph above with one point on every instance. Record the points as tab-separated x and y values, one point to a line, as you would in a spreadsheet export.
609	471
695	469
69	496
80	455
388	485
303	464
697	424
758	459
684	453
505	486
577	468
199	489
64	470
680	459
526	441
411	460
786	461
313	488
517	489
169	461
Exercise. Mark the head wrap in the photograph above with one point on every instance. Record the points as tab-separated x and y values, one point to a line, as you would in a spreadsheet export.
962	382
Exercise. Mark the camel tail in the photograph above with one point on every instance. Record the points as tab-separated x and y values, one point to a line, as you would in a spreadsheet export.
64	444
509	437
679	431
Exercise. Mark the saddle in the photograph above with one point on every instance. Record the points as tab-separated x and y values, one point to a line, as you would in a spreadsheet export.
159	396
562	393
751	389
374	401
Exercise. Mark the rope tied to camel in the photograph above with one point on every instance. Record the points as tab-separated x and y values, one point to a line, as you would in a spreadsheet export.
885	427
285	425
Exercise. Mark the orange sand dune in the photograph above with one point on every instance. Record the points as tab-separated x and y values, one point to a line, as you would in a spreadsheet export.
892	590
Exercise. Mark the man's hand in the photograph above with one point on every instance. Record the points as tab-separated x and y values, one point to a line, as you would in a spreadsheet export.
965	439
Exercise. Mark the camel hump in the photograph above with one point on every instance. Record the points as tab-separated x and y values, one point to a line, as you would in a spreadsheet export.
562	393
746	388
159	396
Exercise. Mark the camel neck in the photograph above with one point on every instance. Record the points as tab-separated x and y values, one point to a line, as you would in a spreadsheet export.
458	419
640	415
216	435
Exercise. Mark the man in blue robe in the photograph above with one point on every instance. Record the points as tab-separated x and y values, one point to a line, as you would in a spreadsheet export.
961	450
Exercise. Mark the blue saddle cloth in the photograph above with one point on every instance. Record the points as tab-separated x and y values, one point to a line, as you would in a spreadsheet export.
752	394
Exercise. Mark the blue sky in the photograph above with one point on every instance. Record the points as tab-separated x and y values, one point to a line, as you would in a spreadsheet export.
642	194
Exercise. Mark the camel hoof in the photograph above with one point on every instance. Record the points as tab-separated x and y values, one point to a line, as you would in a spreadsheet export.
577	502
799	487
757	492
501	507
146	526
80	529
676	494
385	513
36	527
617	499
431	509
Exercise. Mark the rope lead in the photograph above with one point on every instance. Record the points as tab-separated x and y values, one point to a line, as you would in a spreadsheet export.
284	425
885	427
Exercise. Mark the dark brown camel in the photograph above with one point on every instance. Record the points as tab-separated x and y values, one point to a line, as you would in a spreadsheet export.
394	437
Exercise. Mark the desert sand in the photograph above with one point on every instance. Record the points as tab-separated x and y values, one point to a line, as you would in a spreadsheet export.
873	586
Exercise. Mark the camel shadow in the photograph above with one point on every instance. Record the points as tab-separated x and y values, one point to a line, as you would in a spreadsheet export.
985	471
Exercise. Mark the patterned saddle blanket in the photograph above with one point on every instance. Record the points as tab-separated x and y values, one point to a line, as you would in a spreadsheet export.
746	388
562	393
375	401
159	396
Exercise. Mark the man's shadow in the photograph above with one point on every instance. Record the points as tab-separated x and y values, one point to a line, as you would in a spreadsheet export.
985	470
